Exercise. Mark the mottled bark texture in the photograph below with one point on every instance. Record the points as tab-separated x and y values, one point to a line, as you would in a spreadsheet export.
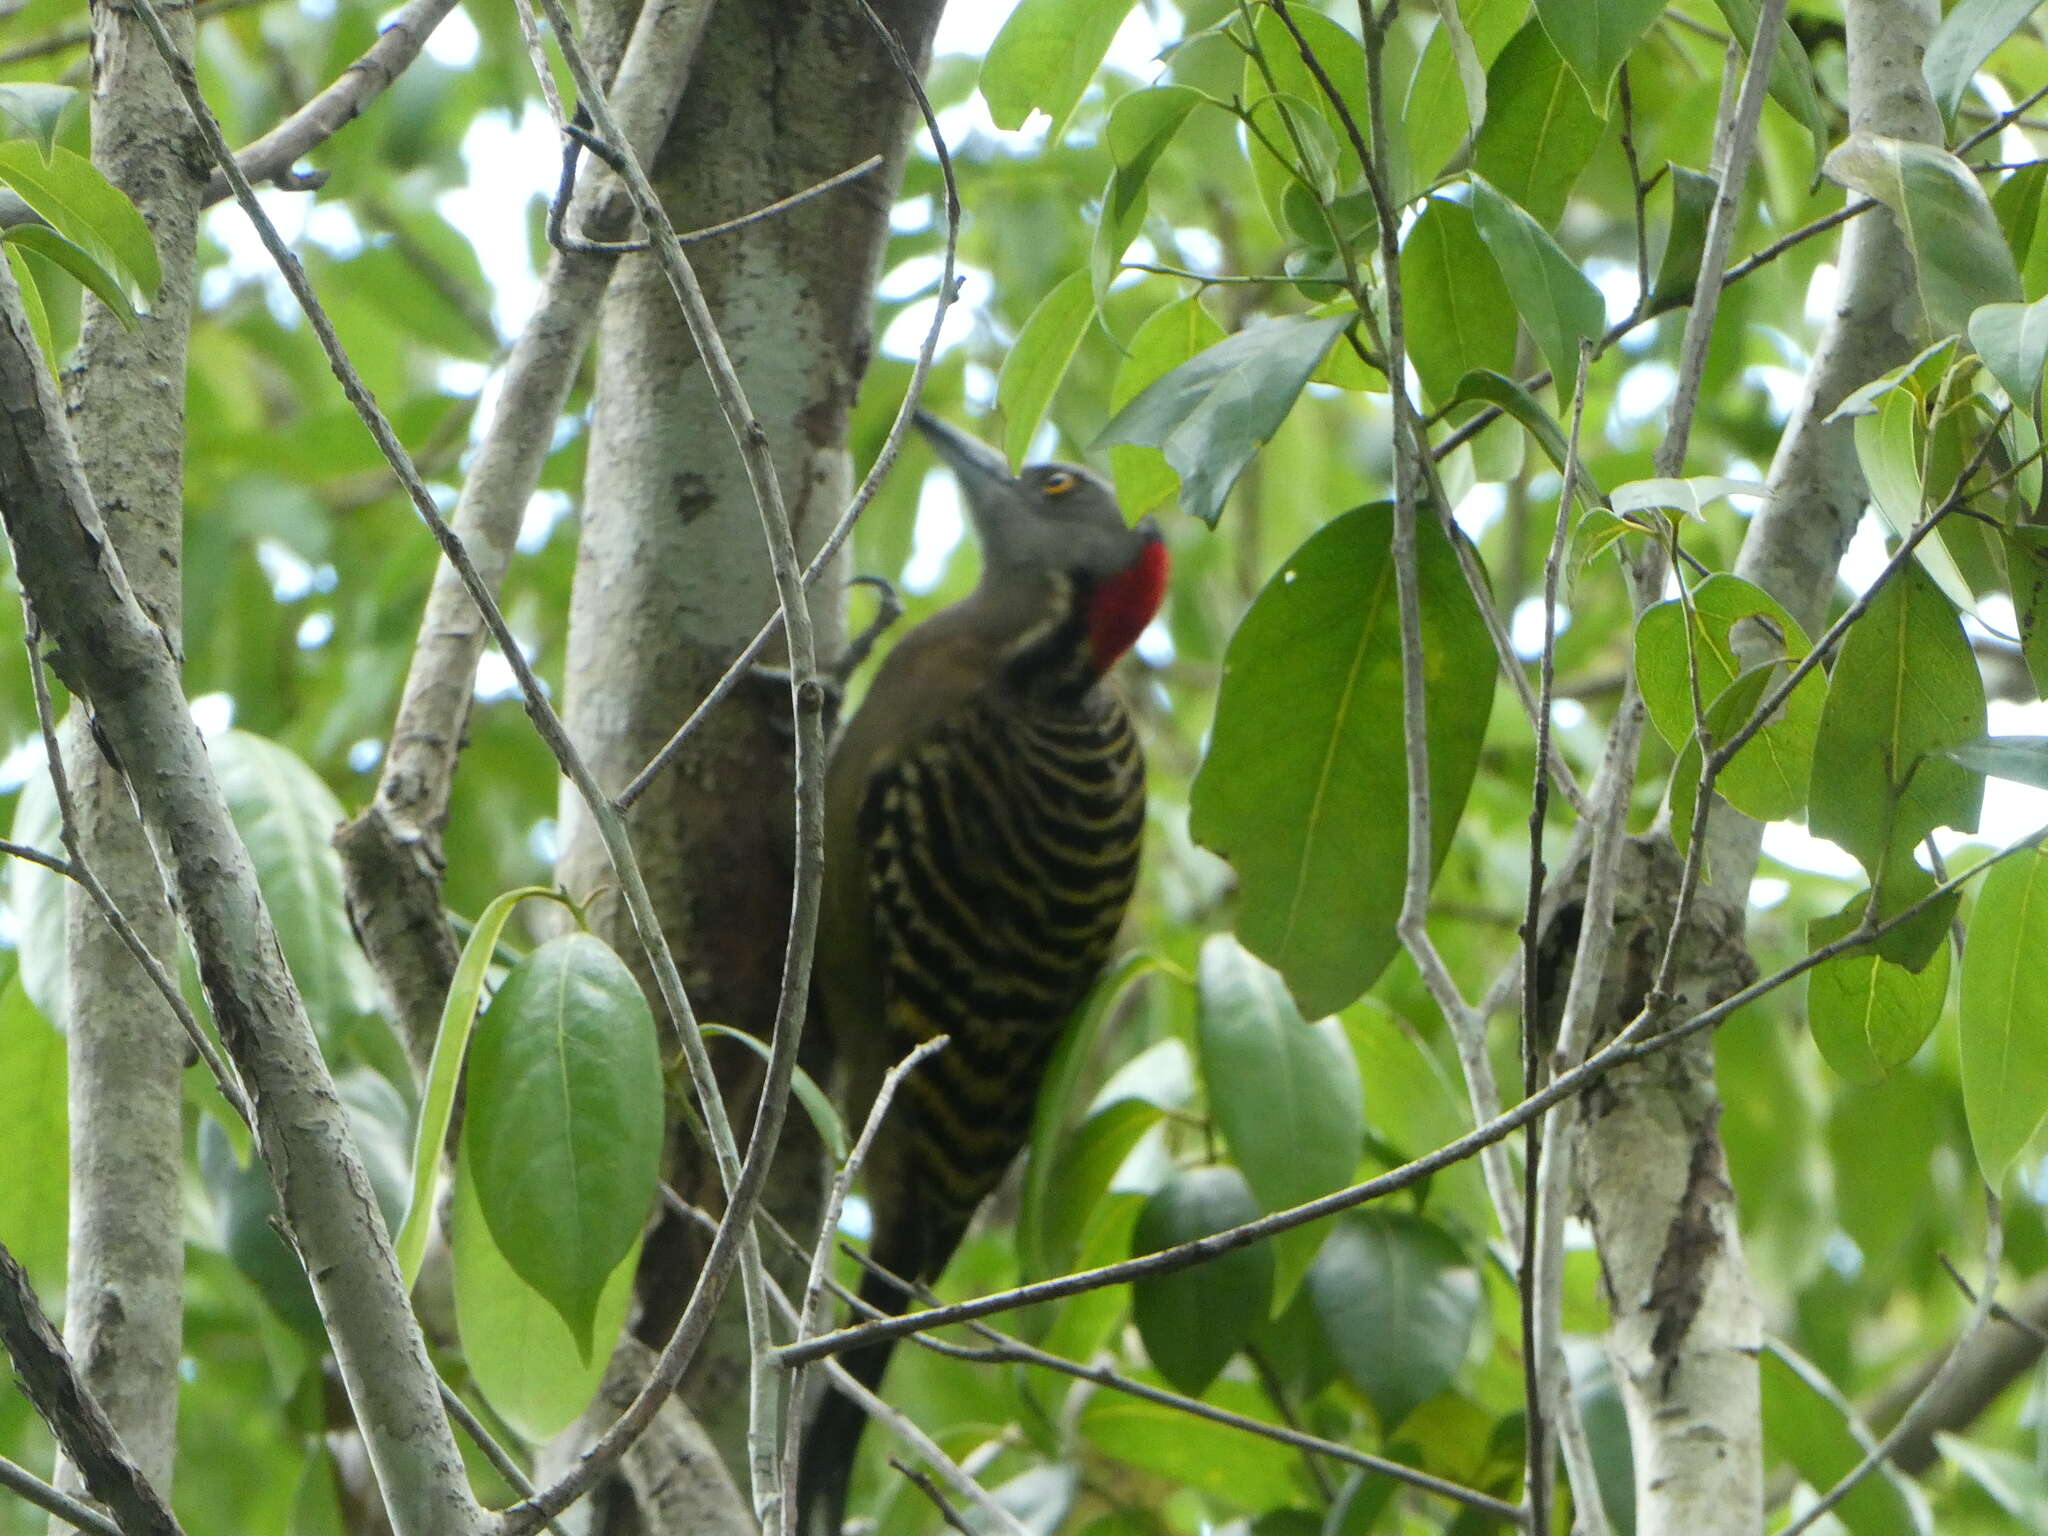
672	574
124	1293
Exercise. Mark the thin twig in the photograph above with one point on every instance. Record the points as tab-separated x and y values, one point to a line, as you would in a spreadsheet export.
1980	1313
24	1484
922	1482
82	871
1999	1310
55	863
494	1452
812	1313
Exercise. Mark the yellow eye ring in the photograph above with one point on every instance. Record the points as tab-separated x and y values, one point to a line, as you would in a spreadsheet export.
1059	482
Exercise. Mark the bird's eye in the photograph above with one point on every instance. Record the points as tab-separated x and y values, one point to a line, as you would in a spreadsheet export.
1059	482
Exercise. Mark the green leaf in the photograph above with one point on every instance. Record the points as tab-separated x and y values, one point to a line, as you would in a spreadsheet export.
78	202
1032	372
1807	1423
1768	778
1193	1320
1595	37
1188	1453
1958	249
1905	687
1169	337
2013	341
1446	96
533	1371
1691	496
1498	389
2015	1483
1398	1299
1685	239
2023	759
1557	302
33	1139
444	1072
2023	218
1893	448
32	302
1045	56
1285	1093
1868	1015
1141	125
286	815
1301	161
1343	59
2003	1016
563	1132
76	260
1539	131
1304	788
1460	316
1967	37
2026	561
36	109
1211	414
1792	82
817	1104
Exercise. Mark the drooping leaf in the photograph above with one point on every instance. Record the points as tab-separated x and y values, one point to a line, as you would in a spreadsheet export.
1169	337
1958	250
1193	1320
1595	37
1964	40
1304	788
1539	130
1868	1015
2003	1015
1792	82
1557	302
563	1131
1904	688
1498	389
814	1101
530	1366
31	301
2023	759
1044	58
1685	239
1398	1299
1211	414
76	260
1895	448
1284	1092
1459	315
1141	126
2013	341
71	194
1035	365
37	109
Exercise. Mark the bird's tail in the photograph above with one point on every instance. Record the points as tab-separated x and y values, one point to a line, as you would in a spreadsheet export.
832	1438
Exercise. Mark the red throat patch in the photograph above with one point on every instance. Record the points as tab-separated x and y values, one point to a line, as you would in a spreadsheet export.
1121	606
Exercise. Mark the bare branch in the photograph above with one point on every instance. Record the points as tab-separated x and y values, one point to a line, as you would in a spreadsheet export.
24	1484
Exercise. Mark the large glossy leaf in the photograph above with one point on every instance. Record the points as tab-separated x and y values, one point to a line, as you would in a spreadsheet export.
1188	1453
1905	688
1963	41
1869	1015
1539	130
1170	336
1959	252
1596	37
2022	211
1398	1299
1141	125
1193	1320
1557	302
286	816
536	1374
1304	788
563	1130
1045	56
1284	1092
1768	778
78	261
36	110
77	201
1342	58
2004	1012
1459	315
1211	414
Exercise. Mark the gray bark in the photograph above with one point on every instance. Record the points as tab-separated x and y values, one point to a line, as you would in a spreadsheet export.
672	577
125	1282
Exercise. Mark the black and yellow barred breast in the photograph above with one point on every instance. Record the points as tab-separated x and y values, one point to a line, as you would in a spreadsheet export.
1002	850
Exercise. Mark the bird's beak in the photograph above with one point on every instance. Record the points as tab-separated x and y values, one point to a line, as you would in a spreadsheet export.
980	468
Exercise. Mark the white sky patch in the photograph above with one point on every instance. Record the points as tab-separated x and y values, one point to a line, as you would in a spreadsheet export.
1867	556
1617	285
365	754
1525	629
213	713
290	577
544	509
937	533
495	678
509	164
25	758
1822	291
2011	811
454	43
1994	616
1645	390
1790	843
1478	507
315	630
1155	645
911	215
1766	891
1567	714
905	335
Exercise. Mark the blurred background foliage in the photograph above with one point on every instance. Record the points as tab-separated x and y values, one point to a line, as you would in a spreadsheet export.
1395	1329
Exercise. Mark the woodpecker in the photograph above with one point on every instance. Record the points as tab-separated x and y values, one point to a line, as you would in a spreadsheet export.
983	812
